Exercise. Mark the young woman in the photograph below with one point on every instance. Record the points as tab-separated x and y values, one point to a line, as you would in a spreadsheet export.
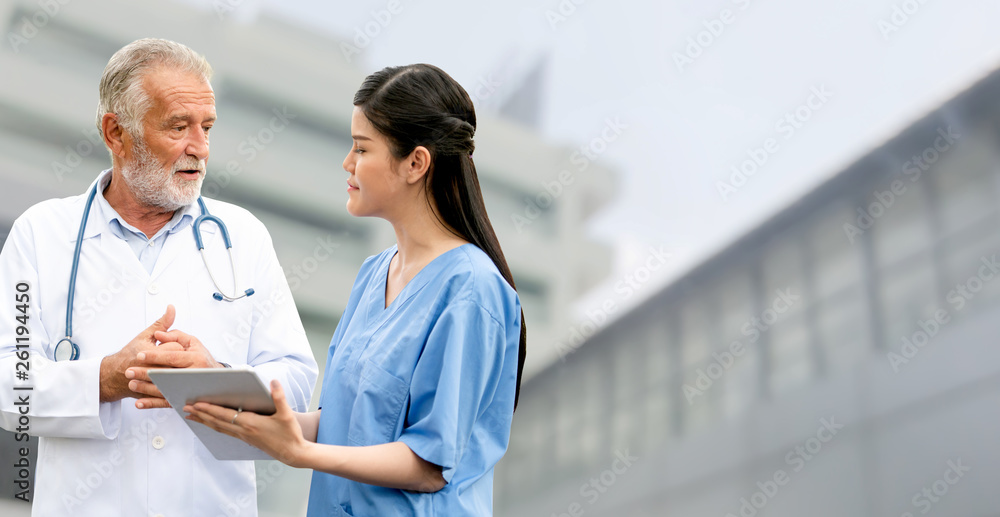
424	368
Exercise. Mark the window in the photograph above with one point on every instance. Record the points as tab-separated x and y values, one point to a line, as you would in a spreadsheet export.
837	261
735	305
782	318
843	326
965	182
656	401
902	242
908	294
791	354
901	228
741	386
782	272
696	348
591	401
572	381
733	300
504	202
844	329
696	344
536	426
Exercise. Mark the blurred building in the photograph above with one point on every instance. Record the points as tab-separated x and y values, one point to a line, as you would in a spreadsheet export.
841	359
284	98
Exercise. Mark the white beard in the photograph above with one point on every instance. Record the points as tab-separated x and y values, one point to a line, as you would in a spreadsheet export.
154	185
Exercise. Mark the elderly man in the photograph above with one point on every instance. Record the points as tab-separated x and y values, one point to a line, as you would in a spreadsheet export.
110	445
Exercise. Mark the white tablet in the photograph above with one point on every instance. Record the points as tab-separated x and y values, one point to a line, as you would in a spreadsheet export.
230	387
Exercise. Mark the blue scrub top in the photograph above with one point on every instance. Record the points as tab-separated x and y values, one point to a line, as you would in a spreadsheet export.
435	370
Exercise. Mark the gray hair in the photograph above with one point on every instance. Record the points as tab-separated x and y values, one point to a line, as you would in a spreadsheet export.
121	90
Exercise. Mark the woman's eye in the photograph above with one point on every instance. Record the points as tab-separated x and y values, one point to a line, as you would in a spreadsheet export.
359	150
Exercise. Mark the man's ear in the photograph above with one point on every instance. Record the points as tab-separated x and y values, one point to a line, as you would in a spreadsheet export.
114	134
417	164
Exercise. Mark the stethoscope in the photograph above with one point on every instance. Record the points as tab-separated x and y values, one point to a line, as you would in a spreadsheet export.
66	349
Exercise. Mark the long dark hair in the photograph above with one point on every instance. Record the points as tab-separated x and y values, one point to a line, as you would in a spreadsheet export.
421	105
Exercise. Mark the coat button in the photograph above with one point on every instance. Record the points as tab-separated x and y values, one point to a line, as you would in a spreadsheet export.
158	442
153	288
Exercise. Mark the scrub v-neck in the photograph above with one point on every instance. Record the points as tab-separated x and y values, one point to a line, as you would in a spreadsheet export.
415	283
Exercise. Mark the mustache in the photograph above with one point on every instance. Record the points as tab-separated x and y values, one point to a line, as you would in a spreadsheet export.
191	164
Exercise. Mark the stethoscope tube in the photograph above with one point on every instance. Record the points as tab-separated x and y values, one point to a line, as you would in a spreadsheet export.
73	353
65	348
205	216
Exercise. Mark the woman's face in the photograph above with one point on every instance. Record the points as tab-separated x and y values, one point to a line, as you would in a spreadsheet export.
375	187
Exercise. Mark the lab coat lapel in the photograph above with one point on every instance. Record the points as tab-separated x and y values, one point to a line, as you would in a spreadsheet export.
117	251
182	241
172	247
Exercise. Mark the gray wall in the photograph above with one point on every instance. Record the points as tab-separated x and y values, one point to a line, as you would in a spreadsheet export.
833	353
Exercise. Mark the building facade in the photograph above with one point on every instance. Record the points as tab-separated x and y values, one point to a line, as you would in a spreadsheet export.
839	360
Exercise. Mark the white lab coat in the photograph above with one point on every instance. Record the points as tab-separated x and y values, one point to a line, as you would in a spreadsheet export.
110	459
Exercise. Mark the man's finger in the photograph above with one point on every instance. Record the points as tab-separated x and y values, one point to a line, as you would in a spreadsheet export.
145	388
165	321
167	358
138	373
151	403
176	336
174	346
171	345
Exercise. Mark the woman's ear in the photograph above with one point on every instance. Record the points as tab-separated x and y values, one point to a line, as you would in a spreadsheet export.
417	164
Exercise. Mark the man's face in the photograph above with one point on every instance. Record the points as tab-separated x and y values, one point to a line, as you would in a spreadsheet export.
165	167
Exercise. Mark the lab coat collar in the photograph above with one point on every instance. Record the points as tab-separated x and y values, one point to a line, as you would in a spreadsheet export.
97	223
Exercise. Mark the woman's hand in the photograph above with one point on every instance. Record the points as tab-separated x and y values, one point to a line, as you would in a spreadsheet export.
279	435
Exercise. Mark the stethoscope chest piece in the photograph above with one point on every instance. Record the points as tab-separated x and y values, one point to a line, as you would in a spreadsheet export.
66	350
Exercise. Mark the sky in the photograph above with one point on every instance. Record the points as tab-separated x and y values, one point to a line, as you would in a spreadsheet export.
698	87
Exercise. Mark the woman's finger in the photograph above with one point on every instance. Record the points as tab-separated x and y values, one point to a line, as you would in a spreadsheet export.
278	396
209	421
220	418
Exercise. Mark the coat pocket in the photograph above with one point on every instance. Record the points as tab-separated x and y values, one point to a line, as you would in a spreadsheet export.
378	406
